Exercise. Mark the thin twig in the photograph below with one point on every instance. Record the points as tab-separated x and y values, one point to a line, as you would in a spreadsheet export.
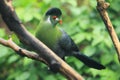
9	43
101	7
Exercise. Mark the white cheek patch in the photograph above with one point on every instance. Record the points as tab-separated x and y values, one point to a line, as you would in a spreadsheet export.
48	19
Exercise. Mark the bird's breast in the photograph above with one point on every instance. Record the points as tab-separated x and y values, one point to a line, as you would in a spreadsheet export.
49	36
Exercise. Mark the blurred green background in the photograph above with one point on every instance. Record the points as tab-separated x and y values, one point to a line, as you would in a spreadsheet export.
82	22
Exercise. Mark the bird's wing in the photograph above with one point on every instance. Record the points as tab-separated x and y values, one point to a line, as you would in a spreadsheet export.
67	44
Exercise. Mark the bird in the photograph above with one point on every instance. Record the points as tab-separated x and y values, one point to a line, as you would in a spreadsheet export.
59	41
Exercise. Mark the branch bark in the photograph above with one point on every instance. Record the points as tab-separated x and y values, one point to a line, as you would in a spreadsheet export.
101	7
45	54
23	52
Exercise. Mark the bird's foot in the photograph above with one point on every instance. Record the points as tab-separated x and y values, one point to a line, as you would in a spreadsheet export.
54	66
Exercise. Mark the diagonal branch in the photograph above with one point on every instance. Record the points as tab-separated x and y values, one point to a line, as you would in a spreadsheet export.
23	52
10	18
101	7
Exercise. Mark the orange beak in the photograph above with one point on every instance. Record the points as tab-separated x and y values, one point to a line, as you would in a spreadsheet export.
60	21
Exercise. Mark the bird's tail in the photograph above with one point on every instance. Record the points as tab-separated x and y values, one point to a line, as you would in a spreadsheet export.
88	61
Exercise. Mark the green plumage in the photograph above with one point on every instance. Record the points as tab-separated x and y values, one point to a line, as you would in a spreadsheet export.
48	34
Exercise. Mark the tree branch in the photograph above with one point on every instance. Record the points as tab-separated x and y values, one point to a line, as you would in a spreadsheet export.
45	54
23	52
101	7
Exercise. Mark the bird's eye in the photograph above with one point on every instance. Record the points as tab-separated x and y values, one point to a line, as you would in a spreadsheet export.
54	17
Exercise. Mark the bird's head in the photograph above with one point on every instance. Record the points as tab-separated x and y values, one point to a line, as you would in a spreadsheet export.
53	16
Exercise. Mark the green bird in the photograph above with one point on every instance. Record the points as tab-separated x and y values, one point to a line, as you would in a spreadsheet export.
59	41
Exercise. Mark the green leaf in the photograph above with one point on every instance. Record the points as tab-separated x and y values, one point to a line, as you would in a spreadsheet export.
12	59
107	58
89	50
23	76
79	37
27	61
33	76
3	51
50	77
72	2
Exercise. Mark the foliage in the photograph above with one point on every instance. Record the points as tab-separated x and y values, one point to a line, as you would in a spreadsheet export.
83	23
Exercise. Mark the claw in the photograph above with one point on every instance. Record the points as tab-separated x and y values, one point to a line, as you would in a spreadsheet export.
55	66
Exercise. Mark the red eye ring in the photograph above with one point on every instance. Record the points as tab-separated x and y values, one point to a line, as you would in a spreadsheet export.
54	17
